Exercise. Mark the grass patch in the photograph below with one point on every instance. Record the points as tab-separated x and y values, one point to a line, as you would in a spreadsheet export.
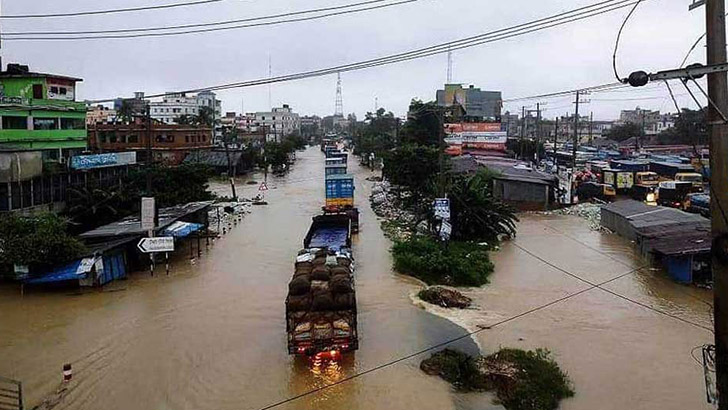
522	380
457	264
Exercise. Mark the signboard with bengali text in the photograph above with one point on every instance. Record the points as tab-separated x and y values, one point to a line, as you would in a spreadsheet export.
108	159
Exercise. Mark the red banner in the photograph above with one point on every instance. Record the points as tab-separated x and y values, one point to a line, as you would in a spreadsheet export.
472	127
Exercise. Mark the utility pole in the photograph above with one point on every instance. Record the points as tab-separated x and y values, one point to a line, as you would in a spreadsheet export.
591	122
718	131
576	134
523	128
538	132
148	115
441	137
556	140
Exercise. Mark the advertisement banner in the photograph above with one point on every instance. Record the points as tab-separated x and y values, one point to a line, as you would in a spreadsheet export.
472	127
479	140
103	160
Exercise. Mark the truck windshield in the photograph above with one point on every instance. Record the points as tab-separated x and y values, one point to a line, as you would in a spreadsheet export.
650	178
690	178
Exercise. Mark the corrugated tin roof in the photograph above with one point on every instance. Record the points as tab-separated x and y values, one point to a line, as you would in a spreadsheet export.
132	225
213	158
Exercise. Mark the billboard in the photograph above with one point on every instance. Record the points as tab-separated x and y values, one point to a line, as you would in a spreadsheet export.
109	159
472	127
495	141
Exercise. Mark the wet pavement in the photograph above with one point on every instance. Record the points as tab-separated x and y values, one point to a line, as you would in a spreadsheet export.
212	334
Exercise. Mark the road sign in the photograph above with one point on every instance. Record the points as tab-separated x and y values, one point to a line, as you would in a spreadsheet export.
148	213
441	208
263	187
157	244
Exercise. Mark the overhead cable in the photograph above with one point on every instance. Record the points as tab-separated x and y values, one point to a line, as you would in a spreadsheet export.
35	34
112	11
497	35
616	42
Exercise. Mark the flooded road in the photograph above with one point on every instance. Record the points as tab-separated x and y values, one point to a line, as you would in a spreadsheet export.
212	334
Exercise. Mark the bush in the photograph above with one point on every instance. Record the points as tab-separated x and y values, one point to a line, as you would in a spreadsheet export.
522	380
458	264
540	383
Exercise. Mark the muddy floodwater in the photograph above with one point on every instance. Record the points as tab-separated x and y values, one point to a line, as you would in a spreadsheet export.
212	334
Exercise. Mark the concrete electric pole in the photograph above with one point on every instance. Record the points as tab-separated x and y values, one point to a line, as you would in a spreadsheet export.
718	132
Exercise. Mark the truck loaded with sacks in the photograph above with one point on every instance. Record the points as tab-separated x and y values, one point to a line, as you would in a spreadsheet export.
321	304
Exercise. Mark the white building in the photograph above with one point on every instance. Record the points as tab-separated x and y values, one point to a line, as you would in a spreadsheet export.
175	105
280	122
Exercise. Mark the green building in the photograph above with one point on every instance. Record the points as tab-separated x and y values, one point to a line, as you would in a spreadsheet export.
40	113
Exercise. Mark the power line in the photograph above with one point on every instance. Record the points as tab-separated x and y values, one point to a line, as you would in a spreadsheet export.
497	35
577	277
112	11
187	26
616	42
443	344
209	30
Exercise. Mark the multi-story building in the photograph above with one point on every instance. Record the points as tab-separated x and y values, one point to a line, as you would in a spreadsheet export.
480	106
311	126
136	105
652	122
175	105
170	143
100	114
279	123
40	112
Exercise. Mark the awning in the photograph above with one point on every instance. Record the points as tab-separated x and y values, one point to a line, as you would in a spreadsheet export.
73	271
182	229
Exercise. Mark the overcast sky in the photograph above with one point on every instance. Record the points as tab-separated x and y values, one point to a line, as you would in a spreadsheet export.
571	56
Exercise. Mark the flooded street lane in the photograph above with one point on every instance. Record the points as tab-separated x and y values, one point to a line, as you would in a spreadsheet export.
212	335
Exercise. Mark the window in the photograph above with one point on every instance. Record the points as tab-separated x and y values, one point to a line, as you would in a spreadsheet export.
62	91
54	90
45	123
15	123
187	138
112	137
73	124
133	138
102	137
38	91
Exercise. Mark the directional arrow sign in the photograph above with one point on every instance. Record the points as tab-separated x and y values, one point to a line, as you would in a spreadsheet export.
158	244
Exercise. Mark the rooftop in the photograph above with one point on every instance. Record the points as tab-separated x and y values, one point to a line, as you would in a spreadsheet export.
22	71
131	225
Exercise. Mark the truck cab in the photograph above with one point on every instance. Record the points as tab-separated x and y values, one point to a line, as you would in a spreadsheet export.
692	177
647	178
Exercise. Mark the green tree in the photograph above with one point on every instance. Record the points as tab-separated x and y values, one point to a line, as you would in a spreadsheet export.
205	116
170	185
88	207
624	131
377	135
185	120
476	215
39	242
413	168
690	128
125	113
424	124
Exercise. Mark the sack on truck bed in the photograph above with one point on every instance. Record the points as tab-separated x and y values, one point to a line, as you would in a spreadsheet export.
319	286
319	260
302	272
322	302
320	273
299	303
299	286
340	270
304	265
344	301
340	284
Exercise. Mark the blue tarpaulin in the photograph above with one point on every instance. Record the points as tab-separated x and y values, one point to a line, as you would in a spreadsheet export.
332	238
73	271
182	229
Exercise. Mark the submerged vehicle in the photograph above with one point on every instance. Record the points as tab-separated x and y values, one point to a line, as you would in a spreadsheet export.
321	315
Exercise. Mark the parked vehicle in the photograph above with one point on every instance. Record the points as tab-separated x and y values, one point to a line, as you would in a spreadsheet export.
699	203
337	169
321	314
340	190
693	177
621	180
668	170
674	194
589	190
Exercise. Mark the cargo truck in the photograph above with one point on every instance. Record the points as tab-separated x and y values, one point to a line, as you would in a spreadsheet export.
674	194
321	314
695	178
340	198
337	169
668	170
335	161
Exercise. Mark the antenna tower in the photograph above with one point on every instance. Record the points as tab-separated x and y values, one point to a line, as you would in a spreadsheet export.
339	111
449	66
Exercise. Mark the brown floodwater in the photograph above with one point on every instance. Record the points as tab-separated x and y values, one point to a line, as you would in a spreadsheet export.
212	334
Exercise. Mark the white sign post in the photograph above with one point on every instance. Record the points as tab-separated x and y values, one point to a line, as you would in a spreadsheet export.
148	214
158	244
